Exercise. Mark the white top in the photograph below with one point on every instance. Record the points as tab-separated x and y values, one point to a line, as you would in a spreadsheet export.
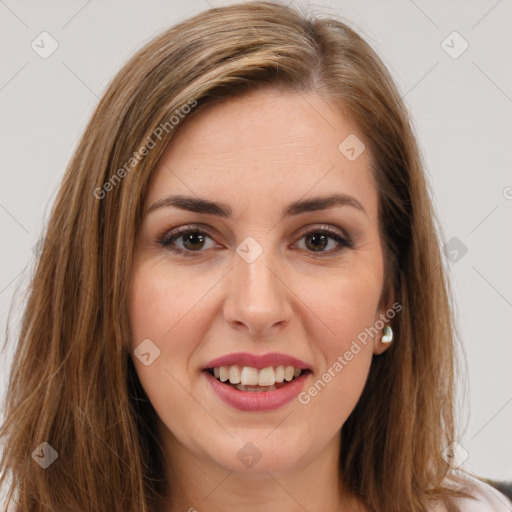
488	499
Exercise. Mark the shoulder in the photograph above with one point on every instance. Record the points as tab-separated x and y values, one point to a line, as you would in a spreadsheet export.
485	498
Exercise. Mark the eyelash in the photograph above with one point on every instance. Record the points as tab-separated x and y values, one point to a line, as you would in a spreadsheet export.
166	238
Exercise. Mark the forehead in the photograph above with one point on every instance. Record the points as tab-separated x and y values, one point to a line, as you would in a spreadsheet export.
264	149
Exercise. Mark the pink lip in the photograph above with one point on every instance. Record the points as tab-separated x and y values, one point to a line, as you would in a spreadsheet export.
263	401
257	361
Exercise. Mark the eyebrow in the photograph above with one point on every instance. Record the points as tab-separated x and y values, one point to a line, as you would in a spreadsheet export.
199	205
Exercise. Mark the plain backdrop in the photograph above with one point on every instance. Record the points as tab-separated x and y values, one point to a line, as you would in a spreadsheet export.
460	100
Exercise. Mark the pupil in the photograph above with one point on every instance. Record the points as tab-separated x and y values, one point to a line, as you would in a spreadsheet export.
317	238
193	238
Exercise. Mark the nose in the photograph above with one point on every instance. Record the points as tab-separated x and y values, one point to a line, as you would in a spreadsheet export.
258	299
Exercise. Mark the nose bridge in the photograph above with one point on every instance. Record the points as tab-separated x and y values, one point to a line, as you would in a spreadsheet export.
257	296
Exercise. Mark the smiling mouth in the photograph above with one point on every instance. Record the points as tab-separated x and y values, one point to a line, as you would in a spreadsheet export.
254	380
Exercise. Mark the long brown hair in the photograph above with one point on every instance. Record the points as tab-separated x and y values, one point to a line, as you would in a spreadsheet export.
73	382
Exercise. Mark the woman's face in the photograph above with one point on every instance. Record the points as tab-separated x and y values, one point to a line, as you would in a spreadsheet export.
258	285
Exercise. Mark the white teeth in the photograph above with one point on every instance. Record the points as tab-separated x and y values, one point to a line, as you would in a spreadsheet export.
280	373
249	376
266	377
288	373
223	373
234	375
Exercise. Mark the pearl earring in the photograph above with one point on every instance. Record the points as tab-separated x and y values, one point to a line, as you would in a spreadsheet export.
388	335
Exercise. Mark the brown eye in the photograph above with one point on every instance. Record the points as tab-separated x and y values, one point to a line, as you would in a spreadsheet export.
190	240
318	240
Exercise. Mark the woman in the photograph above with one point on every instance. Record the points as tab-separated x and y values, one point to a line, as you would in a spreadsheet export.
240	303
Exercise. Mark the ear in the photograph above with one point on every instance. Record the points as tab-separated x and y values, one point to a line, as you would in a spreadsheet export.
385	316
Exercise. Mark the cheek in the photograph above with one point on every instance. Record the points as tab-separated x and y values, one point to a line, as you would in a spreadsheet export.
151	302
163	304
161	308
346	309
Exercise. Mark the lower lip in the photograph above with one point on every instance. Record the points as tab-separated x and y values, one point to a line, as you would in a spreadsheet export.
257	401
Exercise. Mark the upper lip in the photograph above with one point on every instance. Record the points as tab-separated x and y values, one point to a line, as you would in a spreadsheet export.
256	360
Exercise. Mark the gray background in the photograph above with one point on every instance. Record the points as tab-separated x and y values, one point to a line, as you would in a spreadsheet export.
462	114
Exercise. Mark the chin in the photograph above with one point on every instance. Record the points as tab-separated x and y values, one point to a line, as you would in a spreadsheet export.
262	451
